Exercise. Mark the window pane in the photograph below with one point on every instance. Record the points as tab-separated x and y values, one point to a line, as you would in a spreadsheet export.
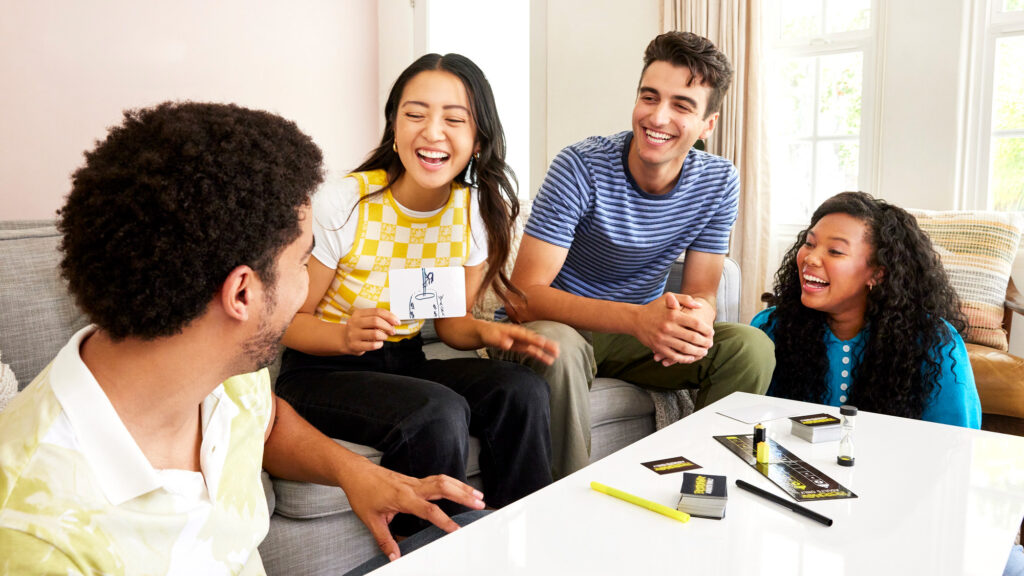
1008	93
840	98
1008	174
836	168
795	94
847	15
792	193
799	19
1013	5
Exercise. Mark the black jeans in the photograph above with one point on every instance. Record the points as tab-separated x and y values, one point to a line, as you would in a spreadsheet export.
420	413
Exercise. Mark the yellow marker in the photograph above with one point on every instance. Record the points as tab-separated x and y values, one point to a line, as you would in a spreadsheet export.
762	453
652	506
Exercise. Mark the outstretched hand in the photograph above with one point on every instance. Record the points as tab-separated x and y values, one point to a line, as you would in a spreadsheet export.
674	327
367	329
378	494
519	339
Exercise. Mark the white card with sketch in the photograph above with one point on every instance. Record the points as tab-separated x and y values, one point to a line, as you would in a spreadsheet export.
421	293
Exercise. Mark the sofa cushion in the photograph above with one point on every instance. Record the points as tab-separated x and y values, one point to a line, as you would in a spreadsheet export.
304	500
8	384
37	315
612	400
977	250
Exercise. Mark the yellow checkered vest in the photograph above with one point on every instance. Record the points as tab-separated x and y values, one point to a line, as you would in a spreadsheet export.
387	238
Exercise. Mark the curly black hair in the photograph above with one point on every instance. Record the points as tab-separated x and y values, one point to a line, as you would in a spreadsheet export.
488	171
171	201
903	319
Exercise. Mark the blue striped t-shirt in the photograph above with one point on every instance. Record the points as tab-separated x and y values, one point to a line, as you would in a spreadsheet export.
621	240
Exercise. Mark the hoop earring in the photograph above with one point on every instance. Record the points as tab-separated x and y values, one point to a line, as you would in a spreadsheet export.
476	156
394	145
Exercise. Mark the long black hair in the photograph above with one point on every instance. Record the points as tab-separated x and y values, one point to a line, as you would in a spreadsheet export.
903	319
488	171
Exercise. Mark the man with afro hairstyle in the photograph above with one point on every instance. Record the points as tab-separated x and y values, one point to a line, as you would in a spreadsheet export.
139	448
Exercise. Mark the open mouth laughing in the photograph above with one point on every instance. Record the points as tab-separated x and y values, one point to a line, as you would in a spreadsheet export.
656	137
813	282
432	157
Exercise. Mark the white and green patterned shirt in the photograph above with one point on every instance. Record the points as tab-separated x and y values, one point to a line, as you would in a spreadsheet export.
77	495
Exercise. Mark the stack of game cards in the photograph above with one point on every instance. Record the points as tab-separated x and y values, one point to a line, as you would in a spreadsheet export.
703	495
816	427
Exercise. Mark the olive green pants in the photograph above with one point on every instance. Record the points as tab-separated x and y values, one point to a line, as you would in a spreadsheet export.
741	359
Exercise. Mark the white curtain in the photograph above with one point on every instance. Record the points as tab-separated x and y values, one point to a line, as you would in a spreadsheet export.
735	28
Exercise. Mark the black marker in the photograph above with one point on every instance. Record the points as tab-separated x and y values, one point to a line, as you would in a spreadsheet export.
759	436
782	502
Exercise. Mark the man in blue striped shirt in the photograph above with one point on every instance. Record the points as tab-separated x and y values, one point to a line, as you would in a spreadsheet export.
611	217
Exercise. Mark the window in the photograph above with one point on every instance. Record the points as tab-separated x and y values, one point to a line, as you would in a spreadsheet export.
820	69
1006	141
995	109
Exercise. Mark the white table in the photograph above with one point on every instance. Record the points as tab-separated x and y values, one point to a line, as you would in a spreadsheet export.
932	499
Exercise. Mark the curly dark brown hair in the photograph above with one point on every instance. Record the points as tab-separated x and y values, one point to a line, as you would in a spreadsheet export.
903	319
171	201
488	171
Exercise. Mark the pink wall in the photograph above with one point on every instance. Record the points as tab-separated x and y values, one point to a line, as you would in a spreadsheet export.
68	69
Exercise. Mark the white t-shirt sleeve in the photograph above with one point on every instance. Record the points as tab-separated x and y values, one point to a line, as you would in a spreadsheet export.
334	221
477	231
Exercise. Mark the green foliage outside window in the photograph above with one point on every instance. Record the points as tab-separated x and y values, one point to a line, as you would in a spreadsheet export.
1007	183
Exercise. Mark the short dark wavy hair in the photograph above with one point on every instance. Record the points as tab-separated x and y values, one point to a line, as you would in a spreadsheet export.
707	64
903	319
171	201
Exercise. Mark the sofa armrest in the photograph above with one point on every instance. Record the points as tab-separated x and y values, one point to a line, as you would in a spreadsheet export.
1014	299
729	293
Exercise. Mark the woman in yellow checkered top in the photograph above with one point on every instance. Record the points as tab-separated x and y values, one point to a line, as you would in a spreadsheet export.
436	192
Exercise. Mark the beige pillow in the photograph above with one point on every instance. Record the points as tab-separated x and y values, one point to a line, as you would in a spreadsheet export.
8	385
977	250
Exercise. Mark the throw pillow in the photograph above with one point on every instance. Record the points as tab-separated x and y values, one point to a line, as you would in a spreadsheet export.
8	385
977	250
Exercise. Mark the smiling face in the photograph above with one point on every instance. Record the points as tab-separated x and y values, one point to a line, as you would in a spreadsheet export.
668	118
435	135
835	269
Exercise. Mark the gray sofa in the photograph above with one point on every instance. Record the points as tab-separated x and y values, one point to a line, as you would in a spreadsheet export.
312	527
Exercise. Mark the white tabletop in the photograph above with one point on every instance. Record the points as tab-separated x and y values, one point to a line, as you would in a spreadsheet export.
932	499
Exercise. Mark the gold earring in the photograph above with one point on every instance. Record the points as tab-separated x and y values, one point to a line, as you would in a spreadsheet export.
476	156
394	145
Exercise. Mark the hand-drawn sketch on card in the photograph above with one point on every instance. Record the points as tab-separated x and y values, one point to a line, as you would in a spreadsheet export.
429	303
420	293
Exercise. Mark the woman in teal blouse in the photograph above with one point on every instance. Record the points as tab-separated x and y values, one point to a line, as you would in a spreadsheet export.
864	315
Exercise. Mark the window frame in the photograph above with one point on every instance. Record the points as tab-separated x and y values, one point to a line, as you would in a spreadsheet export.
989	24
868	43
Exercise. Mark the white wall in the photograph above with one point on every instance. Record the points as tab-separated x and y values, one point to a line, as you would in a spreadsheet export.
595	53
502	52
919	130
69	68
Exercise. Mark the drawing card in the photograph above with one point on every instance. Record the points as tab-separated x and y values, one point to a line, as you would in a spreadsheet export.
421	293
758	413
